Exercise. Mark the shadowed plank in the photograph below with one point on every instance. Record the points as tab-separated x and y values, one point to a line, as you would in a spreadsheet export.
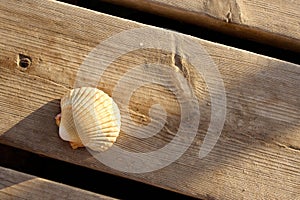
17	185
271	22
256	156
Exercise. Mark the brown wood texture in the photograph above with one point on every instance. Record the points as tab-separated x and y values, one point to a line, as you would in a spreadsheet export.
271	22
256	157
17	185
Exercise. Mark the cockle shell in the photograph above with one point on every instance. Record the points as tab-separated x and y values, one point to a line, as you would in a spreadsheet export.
90	118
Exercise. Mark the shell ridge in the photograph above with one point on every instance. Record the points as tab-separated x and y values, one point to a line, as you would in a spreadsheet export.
90	117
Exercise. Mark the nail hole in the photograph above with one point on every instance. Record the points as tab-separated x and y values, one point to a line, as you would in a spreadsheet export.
23	61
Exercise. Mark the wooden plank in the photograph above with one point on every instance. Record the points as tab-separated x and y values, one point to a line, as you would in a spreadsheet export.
271	22
17	185
256	156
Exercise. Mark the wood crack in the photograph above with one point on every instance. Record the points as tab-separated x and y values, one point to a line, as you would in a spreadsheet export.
228	10
289	147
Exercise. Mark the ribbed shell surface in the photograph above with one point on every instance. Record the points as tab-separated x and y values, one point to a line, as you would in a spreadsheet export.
89	116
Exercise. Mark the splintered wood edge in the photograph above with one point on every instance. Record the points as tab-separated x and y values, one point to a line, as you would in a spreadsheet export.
257	152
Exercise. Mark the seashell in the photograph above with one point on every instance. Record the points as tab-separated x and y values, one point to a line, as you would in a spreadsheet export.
90	118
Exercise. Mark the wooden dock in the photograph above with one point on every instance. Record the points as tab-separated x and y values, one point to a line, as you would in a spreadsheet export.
257	156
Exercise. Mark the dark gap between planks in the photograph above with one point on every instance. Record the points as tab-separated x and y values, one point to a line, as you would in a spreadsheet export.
81	177
189	29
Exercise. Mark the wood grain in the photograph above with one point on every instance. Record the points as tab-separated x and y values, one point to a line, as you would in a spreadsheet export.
271	22
257	155
17	185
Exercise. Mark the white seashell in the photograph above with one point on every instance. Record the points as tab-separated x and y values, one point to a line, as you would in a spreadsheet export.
90	118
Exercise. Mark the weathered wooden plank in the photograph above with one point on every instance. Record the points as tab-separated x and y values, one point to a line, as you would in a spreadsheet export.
17	185
257	154
271	22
